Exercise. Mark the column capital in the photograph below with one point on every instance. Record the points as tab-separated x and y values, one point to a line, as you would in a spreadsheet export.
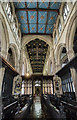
70	51
70	54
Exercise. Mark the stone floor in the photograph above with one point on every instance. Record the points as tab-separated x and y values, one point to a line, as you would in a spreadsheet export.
36	111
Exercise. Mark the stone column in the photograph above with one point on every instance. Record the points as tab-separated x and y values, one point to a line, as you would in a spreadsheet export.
58	67
53	61
23	87
70	54
32	87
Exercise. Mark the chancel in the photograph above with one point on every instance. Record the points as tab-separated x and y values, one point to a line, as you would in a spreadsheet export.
38	59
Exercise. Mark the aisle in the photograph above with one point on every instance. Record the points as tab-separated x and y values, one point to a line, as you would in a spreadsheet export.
36	110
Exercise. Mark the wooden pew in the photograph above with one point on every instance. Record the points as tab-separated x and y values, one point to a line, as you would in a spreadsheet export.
54	112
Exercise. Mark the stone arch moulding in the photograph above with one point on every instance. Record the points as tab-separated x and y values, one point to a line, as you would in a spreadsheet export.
71	31
54	32
6	36
13	12
58	53
60	18
29	38
15	53
49	65
61	8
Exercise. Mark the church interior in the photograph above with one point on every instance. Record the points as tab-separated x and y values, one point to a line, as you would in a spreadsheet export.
38	59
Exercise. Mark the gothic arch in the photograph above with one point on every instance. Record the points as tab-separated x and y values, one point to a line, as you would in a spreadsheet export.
50	65
14	49
58	53
61	20
29	38
71	31
4	37
54	32
61	8
69	42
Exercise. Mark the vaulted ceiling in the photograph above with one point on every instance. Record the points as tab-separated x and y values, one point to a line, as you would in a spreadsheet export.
37	17
37	50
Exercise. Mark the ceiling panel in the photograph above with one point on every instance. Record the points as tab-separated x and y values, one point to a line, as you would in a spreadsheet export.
42	14
41	28
32	4
55	5
43	4
22	16
49	28
24	28
32	28
32	16
37	50
19	4
52	16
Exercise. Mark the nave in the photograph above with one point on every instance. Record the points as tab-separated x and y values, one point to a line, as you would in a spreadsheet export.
38	59
38	102
36	110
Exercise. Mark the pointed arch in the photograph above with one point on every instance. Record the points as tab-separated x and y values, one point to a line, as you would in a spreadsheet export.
4	37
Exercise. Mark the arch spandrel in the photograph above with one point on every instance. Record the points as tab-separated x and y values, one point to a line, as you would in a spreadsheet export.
58	51
71	31
28	38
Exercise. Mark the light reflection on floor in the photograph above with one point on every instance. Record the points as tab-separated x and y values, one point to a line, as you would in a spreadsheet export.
36	109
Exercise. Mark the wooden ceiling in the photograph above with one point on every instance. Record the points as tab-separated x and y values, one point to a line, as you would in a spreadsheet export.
37	17
37	50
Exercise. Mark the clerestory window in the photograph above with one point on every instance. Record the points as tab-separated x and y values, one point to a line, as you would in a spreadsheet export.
65	11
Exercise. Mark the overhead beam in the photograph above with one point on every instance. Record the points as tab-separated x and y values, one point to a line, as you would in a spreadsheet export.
37	9
37	65
27	18
36	34
47	18
37	16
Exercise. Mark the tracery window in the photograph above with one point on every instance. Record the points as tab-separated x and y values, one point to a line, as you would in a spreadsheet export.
12	19
65	11
59	27
9	10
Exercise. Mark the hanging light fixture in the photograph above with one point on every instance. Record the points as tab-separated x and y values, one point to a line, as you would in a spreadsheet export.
27	75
